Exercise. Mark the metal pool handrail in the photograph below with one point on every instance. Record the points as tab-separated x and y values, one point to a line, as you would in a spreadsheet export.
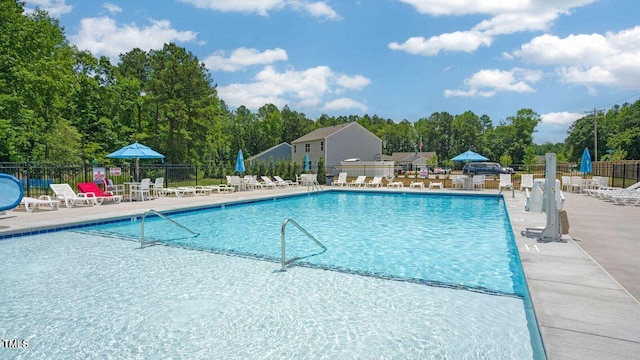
283	260
163	217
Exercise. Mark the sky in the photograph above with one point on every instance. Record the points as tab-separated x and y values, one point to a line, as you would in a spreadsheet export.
397	59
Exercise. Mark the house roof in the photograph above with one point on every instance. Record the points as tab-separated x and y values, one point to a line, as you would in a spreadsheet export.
268	150
383	157
411	156
322	133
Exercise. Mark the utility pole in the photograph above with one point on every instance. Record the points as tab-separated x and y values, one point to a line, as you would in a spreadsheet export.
595	131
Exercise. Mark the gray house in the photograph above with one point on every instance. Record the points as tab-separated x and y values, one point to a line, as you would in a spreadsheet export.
335	144
276	153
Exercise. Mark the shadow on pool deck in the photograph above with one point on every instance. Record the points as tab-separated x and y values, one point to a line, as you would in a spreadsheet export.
585	291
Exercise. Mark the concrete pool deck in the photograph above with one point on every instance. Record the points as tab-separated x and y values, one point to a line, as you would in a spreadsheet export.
585	291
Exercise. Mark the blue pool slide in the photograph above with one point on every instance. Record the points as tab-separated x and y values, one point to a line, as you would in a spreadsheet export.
10	192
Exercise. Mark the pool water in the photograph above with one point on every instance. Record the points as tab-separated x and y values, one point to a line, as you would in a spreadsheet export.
439	240
80	294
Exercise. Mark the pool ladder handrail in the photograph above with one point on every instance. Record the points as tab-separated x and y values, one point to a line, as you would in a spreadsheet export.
283	260
151	211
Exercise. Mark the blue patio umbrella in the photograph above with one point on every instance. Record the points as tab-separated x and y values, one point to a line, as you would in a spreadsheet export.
468	156
240	162
585	163
306	163
136	151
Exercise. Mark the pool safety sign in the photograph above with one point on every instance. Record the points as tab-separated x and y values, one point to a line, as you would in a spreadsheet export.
115	171
98	174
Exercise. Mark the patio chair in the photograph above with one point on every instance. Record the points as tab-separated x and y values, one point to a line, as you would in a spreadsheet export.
505	182
31	204
375	182
526	182
157	187
65	193
341	181
577	183
141	191
458	181
115	189
566	183
359	181
308	179
478	182
93	190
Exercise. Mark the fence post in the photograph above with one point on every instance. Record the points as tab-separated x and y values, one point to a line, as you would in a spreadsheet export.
28	179
624	175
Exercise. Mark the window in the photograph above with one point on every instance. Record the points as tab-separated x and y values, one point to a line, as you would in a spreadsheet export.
321	145
294	149
307	147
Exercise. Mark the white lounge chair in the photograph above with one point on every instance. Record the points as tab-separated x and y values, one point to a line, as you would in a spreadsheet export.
359	181
268	182
375	182
631	197
526	182
608	193
341	181
282	183
505	182
64	192
31	204
416	185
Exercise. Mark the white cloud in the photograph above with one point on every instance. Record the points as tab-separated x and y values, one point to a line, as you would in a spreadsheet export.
322	10
344	104
113	8
466	41
305	89
55	8
243	57
357	82
488	82
468	7
560	118
553	127
263	7
506	17
102	36
612	59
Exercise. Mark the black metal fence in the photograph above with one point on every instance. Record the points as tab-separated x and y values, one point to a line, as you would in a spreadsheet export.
36	177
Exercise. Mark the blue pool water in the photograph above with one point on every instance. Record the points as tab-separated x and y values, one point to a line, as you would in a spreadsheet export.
84	293
438	240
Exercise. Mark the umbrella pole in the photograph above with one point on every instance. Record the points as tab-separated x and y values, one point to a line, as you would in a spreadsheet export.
137	168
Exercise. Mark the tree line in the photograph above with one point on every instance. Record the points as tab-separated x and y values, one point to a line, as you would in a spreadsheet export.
62	105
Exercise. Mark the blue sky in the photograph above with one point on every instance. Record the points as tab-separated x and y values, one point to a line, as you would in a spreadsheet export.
399	59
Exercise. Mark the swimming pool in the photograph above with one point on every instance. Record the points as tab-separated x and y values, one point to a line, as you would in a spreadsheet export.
302	312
